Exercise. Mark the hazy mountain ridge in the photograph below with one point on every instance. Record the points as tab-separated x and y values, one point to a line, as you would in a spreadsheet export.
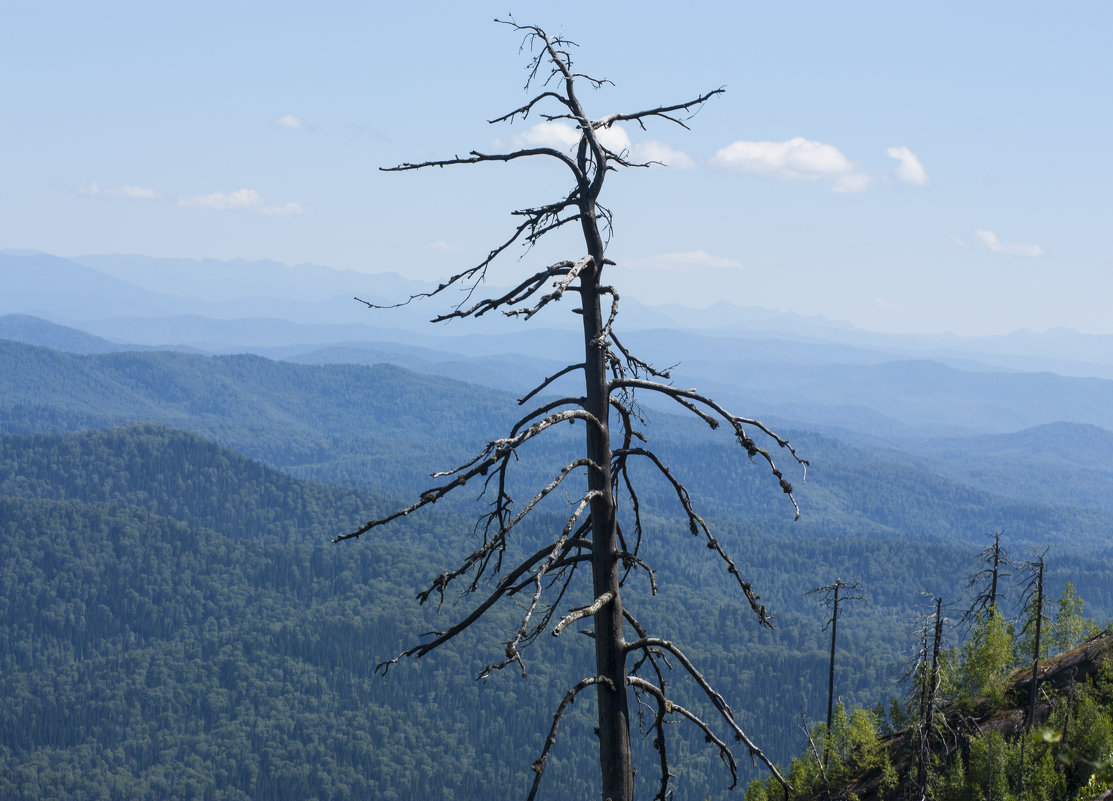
384	427
88	289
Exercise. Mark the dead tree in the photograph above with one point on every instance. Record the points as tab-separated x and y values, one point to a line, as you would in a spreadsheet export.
1033	626
996	560
1032	600
593	537
832	600
924	670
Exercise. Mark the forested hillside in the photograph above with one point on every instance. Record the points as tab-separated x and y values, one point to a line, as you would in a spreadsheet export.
175	623
384	428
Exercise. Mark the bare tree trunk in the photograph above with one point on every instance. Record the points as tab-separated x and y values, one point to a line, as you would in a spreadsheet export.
1036	650
615	756
831	666
928	711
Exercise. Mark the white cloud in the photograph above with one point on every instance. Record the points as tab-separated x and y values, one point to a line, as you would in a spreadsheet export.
990	241
440	244
290	121
911	171
793	159
557	135
695	260
219	201
659	151
129	191
565	137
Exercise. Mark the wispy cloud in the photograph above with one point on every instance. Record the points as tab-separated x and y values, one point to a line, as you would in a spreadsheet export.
219	201
910	170
990	241
564	137
128	191
796	159
292	121
241	199
693	260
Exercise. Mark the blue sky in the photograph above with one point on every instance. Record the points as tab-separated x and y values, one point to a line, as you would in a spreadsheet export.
907	167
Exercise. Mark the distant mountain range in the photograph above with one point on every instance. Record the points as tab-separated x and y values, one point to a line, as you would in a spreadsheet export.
142	300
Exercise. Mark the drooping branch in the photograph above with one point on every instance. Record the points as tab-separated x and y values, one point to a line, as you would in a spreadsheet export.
736	422
539	763
714	696
697	525
665	707
441	637
538	222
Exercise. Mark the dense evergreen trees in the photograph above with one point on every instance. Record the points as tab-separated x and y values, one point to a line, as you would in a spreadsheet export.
185	631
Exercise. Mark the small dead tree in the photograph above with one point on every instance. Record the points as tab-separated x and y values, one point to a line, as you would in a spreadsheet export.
996	562
1032	600
851	592
924	670
593	537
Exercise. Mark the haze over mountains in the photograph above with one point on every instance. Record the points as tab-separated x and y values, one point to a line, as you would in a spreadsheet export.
140	300
941	398
179	439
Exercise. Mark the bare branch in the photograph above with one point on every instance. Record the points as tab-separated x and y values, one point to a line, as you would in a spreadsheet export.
549	380
441	637
442	581
523	111
660	111
559	288
697	525
570	696
737	423
475	157
512	654
494	452
582	612
666	706
716	699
